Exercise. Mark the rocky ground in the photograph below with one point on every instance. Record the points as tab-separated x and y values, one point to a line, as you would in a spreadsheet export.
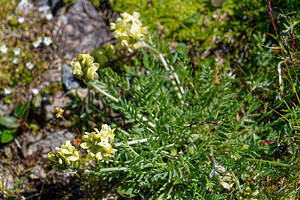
25	171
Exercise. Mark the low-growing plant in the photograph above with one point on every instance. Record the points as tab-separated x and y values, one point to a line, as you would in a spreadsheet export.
185	134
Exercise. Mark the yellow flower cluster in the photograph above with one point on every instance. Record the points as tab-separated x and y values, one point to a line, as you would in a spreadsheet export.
66	155
98	143
85	68
129	30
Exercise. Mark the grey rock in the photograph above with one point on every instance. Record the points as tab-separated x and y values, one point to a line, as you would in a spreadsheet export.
79	28
9	183
59	100
53	75
37	172
68	79
81	92
55	139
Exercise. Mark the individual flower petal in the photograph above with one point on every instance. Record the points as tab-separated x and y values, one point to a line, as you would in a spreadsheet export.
66	151
85	145
107	147
60	161
86	136
112	26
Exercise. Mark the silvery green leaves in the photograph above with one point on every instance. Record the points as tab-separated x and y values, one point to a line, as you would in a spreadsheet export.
85	68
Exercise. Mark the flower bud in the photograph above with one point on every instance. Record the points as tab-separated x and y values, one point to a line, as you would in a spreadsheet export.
51	156
66	155
85	68
85	59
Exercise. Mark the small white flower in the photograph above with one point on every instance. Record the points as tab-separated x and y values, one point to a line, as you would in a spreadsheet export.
49	16
21	20
7	91
17	51
35	91
47	41
29	65
38	41
15	60
3	48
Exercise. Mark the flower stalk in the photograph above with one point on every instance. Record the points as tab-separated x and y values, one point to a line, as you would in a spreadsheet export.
129	32
116	100
174	76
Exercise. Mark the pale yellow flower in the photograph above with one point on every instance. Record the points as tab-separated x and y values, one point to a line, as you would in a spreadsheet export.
86	59
85	68
59	112
99	143
129	30
77	68
66	155
92	71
